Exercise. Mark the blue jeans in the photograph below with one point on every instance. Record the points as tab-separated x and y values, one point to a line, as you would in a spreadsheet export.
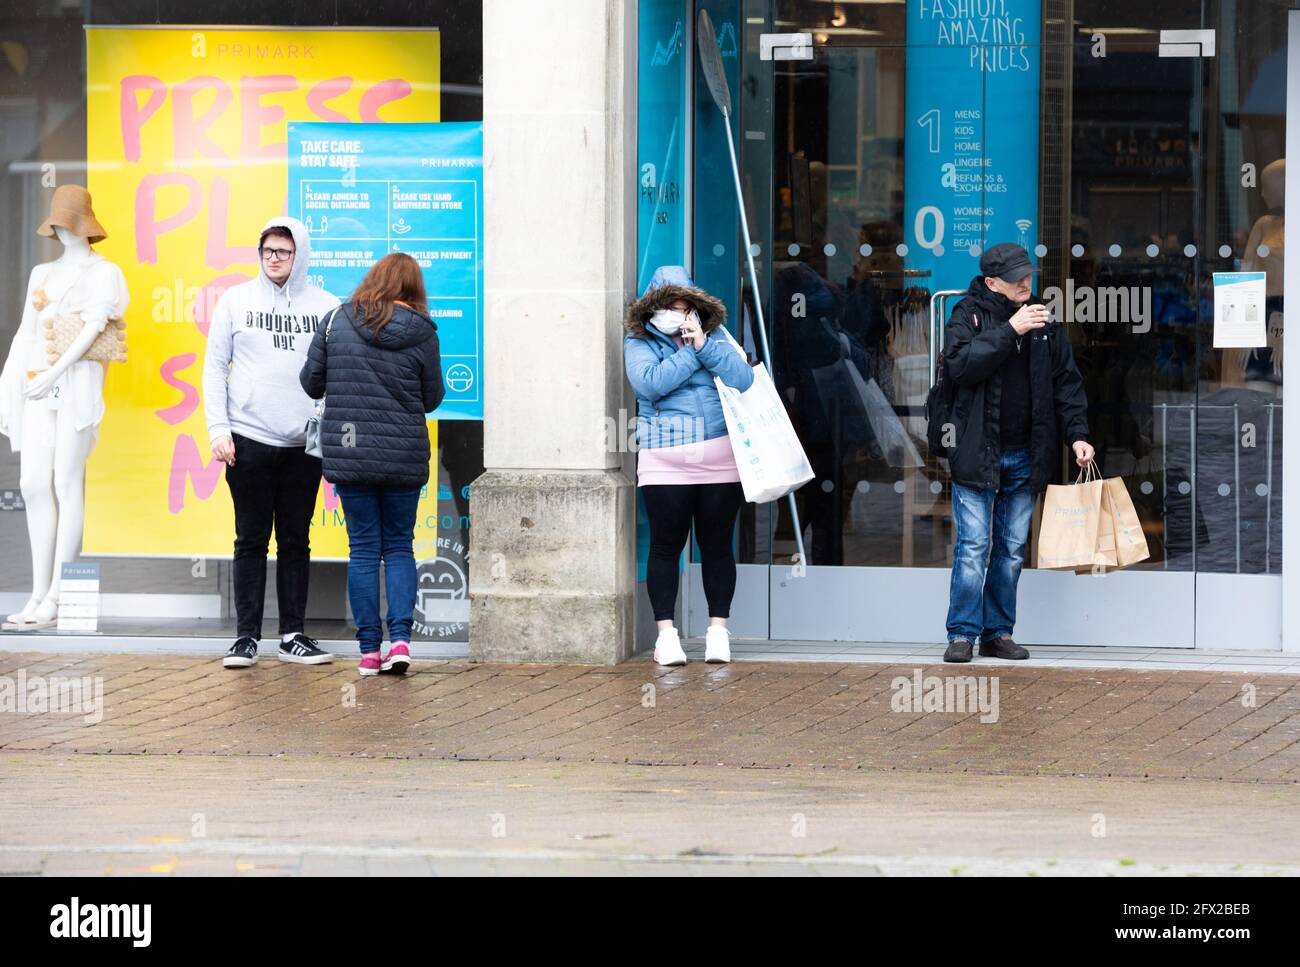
381	526
982	596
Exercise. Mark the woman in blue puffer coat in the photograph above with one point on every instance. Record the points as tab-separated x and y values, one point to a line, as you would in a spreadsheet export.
674	346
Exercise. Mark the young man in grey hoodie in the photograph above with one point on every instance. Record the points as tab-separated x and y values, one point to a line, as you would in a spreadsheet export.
257	415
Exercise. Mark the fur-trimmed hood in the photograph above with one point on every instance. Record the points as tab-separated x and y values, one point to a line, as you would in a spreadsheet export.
670	283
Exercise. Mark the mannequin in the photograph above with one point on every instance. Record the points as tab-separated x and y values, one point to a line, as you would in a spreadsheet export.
51	410
1269	230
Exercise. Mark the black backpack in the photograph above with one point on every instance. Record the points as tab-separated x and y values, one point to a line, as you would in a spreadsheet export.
938	406
938	409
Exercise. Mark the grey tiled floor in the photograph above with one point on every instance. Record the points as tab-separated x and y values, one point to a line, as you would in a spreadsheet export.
1040	655
169	644
1054	656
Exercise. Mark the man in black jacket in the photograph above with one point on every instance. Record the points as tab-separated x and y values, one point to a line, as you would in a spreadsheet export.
1017	392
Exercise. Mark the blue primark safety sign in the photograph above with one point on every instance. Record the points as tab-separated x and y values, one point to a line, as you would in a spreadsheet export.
364	190
971	146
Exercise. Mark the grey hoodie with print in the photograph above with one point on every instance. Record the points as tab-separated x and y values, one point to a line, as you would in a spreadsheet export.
257	343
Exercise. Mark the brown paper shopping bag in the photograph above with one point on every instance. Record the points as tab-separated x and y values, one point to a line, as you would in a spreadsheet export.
1130	539
1067	537
1104	557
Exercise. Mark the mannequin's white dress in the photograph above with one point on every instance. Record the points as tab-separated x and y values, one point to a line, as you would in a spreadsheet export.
98	294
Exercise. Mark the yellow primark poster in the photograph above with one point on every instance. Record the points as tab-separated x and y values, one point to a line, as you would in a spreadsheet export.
187	159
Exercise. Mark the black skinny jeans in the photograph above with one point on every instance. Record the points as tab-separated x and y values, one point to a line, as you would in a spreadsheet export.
272	486
671	508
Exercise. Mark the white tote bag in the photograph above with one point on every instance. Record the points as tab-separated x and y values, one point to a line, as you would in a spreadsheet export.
768	452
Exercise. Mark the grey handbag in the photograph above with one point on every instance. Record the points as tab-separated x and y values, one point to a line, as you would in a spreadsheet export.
313	446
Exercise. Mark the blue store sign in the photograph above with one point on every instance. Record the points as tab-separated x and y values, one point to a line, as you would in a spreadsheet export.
971	142
661	135
364	190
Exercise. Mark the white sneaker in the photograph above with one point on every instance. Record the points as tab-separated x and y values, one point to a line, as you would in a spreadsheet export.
668	648
717	645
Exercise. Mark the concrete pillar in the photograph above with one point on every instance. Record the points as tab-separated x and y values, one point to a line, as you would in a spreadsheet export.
552	544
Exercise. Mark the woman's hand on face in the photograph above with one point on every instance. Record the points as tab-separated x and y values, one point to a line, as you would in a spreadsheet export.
692	333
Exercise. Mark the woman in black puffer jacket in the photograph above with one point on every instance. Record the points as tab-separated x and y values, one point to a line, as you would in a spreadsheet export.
376	363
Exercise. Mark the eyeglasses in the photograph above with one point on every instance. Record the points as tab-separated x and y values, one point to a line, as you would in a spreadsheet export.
277	254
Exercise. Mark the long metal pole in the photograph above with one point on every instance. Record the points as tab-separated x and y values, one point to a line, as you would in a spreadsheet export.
758	309
749	254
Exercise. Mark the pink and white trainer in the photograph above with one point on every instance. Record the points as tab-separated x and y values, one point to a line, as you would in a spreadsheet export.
398	660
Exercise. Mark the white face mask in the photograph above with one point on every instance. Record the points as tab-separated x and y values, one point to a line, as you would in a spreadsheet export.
670	321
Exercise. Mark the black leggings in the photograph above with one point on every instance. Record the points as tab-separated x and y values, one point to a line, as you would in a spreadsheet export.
671	509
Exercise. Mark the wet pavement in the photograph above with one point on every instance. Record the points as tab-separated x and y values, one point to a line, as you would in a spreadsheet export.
314	815
1050	721
751	768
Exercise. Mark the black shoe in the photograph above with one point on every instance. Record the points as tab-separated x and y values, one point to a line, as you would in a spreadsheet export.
304	651
959	650
242	654
1003	647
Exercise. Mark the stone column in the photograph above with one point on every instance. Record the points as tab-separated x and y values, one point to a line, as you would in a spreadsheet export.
552	567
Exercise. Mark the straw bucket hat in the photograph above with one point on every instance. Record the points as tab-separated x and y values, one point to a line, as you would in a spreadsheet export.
70	208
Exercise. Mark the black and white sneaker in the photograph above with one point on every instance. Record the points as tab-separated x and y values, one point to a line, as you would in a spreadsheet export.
242	654
304	651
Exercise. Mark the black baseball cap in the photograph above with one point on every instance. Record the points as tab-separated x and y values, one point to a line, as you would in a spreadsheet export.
1006	261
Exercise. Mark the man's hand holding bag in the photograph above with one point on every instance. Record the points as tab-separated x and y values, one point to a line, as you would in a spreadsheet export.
1090	525
1071	522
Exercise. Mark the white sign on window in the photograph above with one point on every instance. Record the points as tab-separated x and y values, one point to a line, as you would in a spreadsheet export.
79	597
1239	317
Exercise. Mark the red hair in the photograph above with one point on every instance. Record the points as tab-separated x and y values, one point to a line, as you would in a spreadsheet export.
394	278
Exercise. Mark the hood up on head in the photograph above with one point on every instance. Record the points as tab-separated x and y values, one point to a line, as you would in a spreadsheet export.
301	259
670	283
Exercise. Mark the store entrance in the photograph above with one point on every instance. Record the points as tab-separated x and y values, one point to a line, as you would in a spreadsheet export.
876	173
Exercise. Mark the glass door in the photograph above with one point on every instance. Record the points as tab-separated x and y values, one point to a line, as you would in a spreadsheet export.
1231	515
876	172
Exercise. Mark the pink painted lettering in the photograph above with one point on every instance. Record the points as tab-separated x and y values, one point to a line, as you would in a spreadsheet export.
327	91
189	395
257	115
217	252
133	115
187	463
190	133
147	225
380	94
